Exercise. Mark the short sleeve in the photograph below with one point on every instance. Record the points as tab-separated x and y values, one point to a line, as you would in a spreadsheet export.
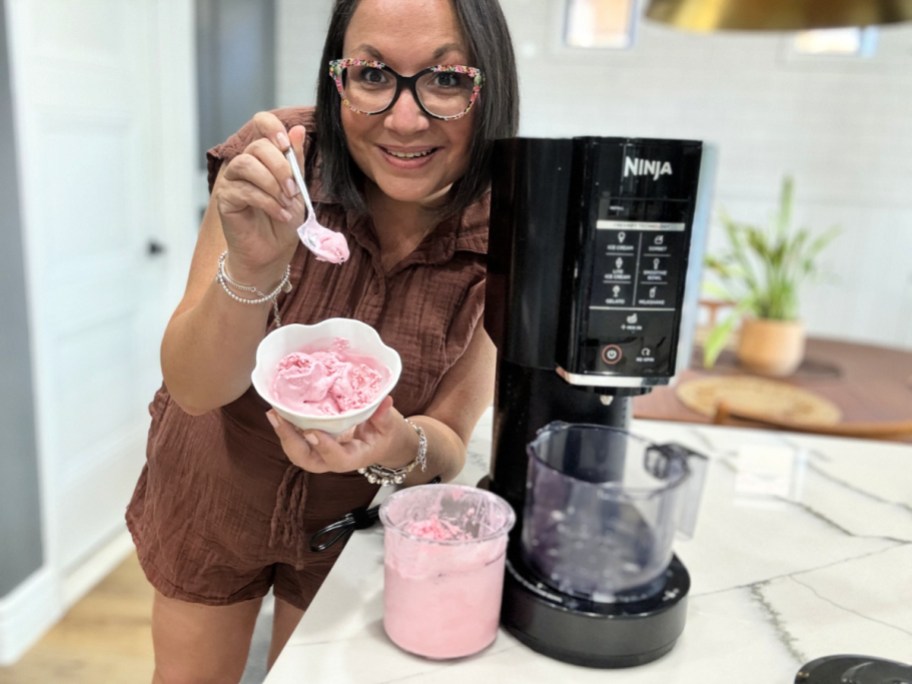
238	142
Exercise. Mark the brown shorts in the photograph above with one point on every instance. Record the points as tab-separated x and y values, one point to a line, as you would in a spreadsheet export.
219	514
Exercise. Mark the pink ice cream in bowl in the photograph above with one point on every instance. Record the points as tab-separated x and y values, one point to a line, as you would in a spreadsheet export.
329	376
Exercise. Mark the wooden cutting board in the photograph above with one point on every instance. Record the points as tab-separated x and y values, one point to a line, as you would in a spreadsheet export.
777	400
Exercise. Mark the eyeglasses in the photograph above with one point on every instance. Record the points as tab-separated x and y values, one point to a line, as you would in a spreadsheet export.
445	91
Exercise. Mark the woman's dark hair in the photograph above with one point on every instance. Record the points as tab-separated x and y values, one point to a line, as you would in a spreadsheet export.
484	28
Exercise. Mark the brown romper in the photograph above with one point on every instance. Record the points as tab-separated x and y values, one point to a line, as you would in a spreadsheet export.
219	513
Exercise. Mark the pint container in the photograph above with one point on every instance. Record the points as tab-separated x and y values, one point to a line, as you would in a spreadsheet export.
444	553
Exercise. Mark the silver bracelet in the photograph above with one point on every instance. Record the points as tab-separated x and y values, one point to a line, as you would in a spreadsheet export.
384	476
227	282
421	457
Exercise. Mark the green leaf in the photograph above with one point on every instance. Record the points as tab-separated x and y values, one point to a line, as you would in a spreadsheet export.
716	341
784	217
718	337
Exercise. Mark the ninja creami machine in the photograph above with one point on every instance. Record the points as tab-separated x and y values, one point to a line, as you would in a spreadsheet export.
593	275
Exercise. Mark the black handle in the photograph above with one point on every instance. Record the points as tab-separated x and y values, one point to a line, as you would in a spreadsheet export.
358	519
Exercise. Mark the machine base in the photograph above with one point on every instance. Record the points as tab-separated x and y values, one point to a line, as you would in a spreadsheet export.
592	634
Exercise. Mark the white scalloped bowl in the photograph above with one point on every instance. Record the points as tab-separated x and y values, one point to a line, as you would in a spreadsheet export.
284	340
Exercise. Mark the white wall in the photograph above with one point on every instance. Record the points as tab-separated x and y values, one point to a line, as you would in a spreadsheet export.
841	127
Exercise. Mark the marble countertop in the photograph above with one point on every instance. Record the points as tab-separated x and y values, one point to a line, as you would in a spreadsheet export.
803	549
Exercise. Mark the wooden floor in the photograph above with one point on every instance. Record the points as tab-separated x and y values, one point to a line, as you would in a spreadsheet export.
104	639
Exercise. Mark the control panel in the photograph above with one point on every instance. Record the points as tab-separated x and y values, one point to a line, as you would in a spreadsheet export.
625	277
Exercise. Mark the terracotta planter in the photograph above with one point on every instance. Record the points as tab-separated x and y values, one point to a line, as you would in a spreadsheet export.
773	348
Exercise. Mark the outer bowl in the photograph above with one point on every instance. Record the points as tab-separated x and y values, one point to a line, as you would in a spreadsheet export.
362	338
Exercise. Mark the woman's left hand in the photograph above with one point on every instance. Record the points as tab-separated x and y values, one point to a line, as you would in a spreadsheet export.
318	452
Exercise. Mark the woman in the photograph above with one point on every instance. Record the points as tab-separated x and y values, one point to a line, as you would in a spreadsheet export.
231	493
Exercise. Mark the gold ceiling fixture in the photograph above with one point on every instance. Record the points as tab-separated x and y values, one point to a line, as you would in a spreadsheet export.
776	15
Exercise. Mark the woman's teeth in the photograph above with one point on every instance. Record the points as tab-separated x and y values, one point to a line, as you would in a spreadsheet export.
409	155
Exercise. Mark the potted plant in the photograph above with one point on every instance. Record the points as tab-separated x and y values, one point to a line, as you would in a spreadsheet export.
761	273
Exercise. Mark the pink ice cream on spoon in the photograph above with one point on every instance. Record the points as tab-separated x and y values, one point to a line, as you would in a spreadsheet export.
326	244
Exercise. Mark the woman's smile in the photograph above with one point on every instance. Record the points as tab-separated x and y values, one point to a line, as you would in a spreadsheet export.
408	158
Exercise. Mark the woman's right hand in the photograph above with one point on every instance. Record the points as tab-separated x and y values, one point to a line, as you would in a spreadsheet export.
259	204
251	215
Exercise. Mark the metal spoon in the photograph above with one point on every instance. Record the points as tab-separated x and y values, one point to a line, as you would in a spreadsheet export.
328	245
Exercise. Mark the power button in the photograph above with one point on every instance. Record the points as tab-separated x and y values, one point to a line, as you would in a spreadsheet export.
611	354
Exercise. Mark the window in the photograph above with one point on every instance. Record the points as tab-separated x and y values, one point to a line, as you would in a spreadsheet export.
599	23
851	42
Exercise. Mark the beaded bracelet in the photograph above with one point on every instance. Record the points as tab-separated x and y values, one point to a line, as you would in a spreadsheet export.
227	282
384	476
